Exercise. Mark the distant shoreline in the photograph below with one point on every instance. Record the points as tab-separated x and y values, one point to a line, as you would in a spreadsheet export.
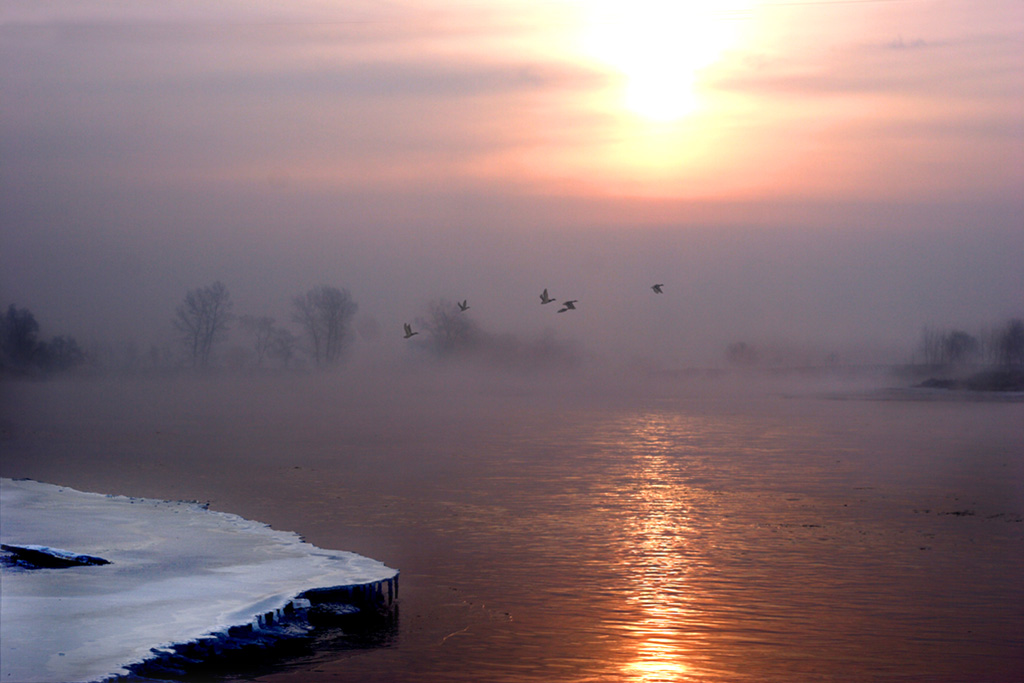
927	394
996	380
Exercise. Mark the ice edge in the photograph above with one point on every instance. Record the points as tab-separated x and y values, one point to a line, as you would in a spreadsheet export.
265	630
292	618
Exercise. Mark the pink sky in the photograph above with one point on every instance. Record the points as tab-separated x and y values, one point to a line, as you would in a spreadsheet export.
196	142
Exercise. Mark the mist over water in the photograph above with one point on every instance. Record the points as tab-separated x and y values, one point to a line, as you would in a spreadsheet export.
855	284
716	483
593	526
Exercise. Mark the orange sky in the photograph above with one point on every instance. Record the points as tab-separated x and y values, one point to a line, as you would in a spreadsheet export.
888	100
903	100
866	100
203	141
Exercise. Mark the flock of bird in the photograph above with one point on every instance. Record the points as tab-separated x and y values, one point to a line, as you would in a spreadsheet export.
569	305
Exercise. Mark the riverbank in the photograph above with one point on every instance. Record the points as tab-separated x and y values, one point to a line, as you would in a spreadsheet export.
177	583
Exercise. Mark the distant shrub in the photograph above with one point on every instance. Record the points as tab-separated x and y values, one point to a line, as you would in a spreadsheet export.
22	353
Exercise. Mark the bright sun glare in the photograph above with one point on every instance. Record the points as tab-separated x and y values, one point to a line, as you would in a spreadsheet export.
659	47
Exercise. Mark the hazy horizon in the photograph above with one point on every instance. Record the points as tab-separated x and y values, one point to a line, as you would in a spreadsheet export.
827	176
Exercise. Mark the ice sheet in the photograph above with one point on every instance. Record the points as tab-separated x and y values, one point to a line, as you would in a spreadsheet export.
177	572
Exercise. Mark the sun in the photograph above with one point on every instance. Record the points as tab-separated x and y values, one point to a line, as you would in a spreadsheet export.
659	48
661	96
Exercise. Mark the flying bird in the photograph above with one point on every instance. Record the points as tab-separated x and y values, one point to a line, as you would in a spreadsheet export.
464	305
657	288
408	331
568	305
544	298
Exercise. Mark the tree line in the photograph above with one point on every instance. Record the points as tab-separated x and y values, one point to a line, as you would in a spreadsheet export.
22	352
324	315
1002	346
201	323
452	334
999	346
322	334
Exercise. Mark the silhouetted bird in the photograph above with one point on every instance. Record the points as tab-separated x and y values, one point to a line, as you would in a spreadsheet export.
408	331
463	305
568	306
657	289
544	298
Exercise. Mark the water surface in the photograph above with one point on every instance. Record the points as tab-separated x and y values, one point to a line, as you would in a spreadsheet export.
692	534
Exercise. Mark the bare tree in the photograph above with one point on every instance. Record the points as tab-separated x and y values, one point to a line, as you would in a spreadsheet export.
449	330
19	342
1010	343
202	320
282	346
947	347
742	354
63	353
959	347
930	346
262	328
324	314
22	352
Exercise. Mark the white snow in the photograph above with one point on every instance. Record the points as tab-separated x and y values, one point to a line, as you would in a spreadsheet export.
178	572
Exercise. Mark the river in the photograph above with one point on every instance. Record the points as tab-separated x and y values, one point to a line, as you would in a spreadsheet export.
692	533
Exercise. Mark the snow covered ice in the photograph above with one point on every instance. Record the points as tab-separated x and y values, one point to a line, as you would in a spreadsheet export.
177	573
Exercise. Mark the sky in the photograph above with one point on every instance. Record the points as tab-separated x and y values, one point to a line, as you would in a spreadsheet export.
829	175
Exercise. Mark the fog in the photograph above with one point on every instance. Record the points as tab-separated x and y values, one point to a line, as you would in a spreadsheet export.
417	152
826	192
861	284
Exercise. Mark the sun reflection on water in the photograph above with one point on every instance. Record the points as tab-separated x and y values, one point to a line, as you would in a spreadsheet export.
657	563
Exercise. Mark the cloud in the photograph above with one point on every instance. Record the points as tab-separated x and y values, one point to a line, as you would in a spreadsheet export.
212	102
442	154
979	67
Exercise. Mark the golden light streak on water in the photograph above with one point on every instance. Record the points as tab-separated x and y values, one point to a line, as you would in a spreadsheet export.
657	564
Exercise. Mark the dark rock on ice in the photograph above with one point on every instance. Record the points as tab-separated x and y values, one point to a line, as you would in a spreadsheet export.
42	557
